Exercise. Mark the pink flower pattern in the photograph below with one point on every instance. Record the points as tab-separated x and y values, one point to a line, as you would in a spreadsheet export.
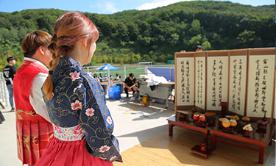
58	129
104	148
77	130
77	105
68	134
109	120
75	75
90	112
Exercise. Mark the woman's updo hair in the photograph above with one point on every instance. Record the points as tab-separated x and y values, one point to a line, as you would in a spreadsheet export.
69	29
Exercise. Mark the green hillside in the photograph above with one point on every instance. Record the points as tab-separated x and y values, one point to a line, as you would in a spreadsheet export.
154	35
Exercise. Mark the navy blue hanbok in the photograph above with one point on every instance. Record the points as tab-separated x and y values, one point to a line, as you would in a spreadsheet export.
82	122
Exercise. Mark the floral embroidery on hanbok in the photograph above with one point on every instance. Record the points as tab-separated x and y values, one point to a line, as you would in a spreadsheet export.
104	148
68	134
79	110
109	120
75	75
77	105
90	112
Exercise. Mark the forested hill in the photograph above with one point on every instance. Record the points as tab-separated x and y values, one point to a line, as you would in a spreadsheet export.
154	35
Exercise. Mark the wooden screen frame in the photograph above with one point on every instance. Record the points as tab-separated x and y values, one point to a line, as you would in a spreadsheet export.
236	52
261	52
181	55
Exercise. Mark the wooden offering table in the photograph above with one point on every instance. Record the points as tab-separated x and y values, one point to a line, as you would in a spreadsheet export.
258	141
190	126
233	92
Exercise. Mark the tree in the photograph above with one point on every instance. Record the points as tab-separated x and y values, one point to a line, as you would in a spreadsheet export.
206	45
155	34
195	40
195	27
248	38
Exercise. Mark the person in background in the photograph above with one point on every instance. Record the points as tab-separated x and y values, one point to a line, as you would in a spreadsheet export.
32	119
9	72
117	77
100	77
130	84
105	77
96	77
199	48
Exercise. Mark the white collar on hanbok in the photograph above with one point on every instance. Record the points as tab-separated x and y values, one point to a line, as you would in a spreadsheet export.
36	61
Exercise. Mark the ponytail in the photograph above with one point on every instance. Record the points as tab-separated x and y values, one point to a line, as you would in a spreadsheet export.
48	86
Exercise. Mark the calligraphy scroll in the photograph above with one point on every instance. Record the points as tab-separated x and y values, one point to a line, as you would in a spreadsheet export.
200	77
237	84
260	85
217	81
185	81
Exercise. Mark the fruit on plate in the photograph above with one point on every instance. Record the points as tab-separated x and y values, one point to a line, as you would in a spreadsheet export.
202	118
225	123
246	118
247	130
235	117
222	119
196	116
233	123
248	127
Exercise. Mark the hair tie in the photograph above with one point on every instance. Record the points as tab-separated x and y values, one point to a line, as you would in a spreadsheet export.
50	72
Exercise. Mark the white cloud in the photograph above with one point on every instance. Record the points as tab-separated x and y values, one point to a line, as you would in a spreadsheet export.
105	7
109	6
157	3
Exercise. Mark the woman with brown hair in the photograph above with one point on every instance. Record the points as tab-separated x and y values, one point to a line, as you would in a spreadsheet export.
76	103
32	119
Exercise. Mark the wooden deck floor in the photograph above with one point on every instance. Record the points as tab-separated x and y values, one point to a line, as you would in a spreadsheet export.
165	151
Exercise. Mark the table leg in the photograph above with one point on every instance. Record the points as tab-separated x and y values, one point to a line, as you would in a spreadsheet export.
261	155
270	142
171	130
213	142
167	103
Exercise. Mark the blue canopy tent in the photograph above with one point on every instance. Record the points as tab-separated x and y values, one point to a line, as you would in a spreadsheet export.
107	67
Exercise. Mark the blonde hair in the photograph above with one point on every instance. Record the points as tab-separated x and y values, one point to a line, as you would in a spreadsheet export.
69	29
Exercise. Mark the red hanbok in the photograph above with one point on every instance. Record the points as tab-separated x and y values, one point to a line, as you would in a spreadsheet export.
33	132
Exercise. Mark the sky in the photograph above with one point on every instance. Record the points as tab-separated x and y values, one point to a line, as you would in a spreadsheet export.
101	6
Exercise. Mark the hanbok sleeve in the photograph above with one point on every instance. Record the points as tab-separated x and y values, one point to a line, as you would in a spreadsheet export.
36	97
97	123
98	132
